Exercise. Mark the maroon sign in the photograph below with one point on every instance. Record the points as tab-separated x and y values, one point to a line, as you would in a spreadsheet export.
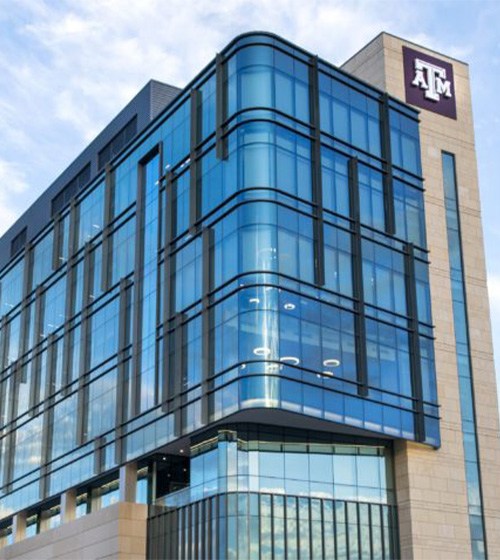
429	83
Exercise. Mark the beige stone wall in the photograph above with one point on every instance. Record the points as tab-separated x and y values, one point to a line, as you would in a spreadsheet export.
431	484
117	532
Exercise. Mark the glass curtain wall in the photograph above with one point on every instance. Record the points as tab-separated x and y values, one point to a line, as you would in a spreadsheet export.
261	244
260	493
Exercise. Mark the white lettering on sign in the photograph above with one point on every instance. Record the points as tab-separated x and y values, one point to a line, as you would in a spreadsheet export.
432	79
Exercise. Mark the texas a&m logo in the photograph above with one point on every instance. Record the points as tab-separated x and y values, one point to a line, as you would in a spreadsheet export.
429	83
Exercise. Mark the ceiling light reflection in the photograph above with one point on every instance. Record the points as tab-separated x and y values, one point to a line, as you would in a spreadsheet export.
331	362
291	360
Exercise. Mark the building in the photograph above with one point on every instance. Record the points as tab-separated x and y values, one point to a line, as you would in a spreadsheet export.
249	330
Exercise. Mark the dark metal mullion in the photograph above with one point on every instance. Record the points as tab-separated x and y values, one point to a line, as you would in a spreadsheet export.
37	360
138	293
99	457
323	543
122	381
195	525
216	499
207	552
26	306
175	532
56	244
159	317
73	229
28	270
358	525
335	539
382	530
195	136
51	368
179	372
48	415
207	320
385	134
106	236
370	528
415	363
68	333
8	457
4	343
167	285
13	403
70	299
346	525
220	106
357	273
317	187
82	398
182	531
8	454
394	531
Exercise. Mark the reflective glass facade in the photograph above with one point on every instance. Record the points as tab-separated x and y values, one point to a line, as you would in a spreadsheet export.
261	246
259	492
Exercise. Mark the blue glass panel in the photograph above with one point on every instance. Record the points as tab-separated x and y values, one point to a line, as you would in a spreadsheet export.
268	238
409	213
264	77
423	292
338	260
428	369
349	115
123	251
188	273
42	259
28	446
271	156
54	307
405	145
13	339
384	277
335	180
388	357
104	329
125	185
102	404
175	133
11	287
208	107
180	201
64	424
371	197
90	215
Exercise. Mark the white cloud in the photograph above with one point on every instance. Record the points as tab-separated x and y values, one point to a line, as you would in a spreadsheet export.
67	68
13	182
494	292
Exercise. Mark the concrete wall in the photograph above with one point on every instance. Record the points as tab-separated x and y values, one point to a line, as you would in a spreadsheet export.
431	484
117	532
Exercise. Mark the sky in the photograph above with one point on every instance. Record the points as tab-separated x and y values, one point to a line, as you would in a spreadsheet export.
68	67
